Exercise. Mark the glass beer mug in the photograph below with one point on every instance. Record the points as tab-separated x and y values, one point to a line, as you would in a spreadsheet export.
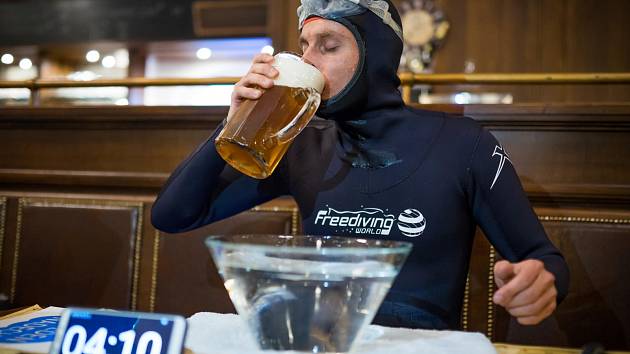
259	133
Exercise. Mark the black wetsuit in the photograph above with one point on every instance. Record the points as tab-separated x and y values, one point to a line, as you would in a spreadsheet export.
379	169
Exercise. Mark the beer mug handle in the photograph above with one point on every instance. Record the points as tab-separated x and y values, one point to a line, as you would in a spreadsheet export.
296	125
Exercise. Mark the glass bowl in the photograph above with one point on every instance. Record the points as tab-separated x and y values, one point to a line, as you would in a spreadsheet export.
306	293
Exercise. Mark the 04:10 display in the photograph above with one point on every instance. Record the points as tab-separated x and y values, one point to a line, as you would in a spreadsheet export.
96	343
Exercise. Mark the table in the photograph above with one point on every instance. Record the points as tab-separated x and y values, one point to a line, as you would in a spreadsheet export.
505	348
229	329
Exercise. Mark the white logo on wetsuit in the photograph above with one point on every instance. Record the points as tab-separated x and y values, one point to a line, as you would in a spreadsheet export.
411	223
503	155
372	221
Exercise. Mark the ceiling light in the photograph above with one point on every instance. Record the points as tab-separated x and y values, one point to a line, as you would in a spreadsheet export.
204	53
109	61
93	56
26	64
7	59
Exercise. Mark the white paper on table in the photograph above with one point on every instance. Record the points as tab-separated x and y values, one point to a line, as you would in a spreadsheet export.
213	333
34	331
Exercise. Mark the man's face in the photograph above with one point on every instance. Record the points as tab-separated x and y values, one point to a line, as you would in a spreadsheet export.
331	47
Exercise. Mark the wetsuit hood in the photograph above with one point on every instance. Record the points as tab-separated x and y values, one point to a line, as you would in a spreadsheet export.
375	83
375	128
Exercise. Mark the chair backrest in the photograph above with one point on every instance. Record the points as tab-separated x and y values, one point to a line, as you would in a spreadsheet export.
596	246
188	281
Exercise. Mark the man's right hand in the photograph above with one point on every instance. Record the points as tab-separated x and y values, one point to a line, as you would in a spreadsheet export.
259	77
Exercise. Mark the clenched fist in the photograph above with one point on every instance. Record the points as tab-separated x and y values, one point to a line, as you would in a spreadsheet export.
526	290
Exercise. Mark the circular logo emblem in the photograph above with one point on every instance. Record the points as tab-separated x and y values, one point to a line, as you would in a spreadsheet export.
411	223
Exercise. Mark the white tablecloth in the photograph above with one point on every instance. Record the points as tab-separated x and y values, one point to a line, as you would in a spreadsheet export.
212	333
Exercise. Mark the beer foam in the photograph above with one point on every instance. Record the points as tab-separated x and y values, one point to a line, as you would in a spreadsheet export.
296	73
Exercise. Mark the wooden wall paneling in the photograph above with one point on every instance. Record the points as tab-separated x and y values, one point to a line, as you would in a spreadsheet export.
552	49
565	151
478	309
538	36
137	68
483	34
596	36
456	43
586	27
89	146
3	213
478	34
558	149
149	261
510	53
76	252
282	24
229	18
291	29
276	23
120	150
8	251
188	280
564	162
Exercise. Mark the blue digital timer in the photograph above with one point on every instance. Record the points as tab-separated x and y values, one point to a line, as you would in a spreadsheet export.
88	331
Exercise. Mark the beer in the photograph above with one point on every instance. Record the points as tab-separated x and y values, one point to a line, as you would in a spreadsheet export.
254	148
256	137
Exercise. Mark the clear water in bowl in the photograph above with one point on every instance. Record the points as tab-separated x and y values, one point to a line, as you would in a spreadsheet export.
307	299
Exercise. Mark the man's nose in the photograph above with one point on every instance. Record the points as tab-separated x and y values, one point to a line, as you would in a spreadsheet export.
307	57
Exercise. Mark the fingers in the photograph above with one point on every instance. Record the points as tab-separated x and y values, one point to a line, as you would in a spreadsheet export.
503	272
262	65
536	319
542	285
537	307
526	273
263	58
250	87
240	93
265	69
252	80
526	289
259	77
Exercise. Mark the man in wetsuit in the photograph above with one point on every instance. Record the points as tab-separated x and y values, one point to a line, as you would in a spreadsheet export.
405	174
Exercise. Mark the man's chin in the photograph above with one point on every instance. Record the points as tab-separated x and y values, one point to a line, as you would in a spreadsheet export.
326	94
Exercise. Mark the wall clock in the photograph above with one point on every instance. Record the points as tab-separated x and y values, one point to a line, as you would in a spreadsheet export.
424	29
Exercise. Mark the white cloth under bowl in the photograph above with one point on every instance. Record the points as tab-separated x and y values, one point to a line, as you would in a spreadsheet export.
213	333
